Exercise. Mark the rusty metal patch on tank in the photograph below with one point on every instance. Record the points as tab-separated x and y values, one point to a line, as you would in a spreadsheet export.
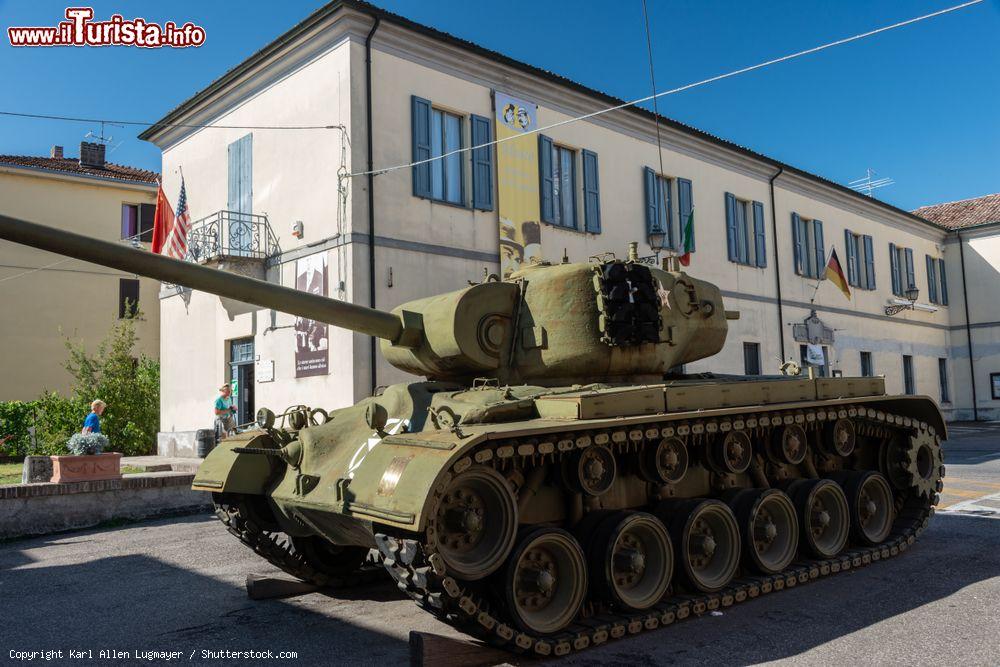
390	478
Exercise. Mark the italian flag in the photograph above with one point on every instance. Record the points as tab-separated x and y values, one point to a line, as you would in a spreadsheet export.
688	239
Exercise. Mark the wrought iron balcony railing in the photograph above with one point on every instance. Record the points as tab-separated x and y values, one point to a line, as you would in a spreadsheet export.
231	234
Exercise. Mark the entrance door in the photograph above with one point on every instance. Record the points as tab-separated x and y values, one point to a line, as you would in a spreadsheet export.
241	378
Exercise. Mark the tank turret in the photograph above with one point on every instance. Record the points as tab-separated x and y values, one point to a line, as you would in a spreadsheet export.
606	320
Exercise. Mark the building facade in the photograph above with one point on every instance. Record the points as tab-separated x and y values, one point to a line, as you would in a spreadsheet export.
54	297
390	92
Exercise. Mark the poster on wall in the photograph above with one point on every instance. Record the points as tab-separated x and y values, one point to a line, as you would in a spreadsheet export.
517	183
312	341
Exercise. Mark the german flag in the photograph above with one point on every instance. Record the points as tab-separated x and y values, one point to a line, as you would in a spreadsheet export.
835	274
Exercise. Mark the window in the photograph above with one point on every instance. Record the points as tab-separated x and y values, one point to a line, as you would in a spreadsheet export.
437	133
128	298
901	263
821	370
937	284
867	370
669	205
137	220
943	379
745	231
807	243
860	260
908	387
751	358
995	386
557	181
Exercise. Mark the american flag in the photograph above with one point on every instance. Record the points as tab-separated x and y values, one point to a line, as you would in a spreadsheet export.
177	243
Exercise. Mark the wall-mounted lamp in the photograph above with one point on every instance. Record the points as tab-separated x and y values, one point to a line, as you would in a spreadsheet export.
911	295
657	238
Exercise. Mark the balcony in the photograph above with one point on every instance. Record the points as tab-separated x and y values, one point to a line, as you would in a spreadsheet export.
231	235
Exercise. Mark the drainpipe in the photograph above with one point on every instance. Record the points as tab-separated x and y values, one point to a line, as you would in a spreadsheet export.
968	331
371	189
777	266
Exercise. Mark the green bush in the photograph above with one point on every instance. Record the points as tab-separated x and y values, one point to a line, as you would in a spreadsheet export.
15	419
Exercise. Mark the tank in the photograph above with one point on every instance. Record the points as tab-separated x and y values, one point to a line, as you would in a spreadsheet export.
553	483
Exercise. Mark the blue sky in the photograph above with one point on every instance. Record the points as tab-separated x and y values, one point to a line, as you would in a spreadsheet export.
920	105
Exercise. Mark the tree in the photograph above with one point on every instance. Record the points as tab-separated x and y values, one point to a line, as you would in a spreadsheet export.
129	384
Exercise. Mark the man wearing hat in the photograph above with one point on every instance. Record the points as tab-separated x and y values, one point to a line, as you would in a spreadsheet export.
225	411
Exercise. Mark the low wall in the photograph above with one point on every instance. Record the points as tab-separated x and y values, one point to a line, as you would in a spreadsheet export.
37	509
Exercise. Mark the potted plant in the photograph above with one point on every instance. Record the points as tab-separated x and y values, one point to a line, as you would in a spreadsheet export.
87	462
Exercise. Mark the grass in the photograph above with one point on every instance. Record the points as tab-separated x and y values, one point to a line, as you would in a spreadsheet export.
10	473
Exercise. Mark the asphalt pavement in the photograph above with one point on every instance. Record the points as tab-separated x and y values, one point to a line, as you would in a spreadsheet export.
174	589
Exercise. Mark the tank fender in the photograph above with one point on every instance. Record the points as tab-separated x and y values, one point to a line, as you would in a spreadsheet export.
922	408
226	471
396	482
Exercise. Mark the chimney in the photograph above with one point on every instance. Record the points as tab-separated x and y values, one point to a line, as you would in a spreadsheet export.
56	152
91	155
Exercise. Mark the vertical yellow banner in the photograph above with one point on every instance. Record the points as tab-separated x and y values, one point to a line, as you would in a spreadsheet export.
517	183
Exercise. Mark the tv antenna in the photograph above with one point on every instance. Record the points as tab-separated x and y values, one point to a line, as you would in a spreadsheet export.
868	184
106	140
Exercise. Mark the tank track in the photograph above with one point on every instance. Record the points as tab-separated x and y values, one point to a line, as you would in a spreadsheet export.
422	574
278	549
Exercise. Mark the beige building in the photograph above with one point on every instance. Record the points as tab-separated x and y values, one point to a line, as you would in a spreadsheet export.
973	248
45	297
391	92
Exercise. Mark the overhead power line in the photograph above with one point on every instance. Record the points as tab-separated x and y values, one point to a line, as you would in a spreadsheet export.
672	91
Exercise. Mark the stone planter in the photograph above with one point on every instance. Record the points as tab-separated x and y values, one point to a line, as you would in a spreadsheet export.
86	468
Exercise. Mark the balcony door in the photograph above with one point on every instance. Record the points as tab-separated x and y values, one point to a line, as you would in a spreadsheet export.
238	224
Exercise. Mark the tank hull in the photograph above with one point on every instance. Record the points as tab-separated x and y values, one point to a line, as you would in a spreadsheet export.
396	491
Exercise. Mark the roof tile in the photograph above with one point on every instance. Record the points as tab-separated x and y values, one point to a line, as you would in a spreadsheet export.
111	171
963	213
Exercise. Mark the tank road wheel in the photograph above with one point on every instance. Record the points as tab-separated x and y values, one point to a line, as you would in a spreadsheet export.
839	437
769	526
546	581
665	463
824	518
869	498
706	541
630	558
731	454
475	523
592	470
789	444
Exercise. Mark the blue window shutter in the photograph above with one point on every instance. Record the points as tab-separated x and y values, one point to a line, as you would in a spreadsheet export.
545	177
731	226
246	174
591	193
820	249
420	121
798	251
482	164
931	278
233	200
894	266
685	204
869	262
758	233
652	200
911	280
944	283
850	250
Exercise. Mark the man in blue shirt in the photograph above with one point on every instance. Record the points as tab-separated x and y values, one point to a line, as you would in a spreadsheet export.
225	411
92	424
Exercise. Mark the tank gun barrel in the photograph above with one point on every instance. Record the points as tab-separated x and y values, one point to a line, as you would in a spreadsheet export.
166	269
